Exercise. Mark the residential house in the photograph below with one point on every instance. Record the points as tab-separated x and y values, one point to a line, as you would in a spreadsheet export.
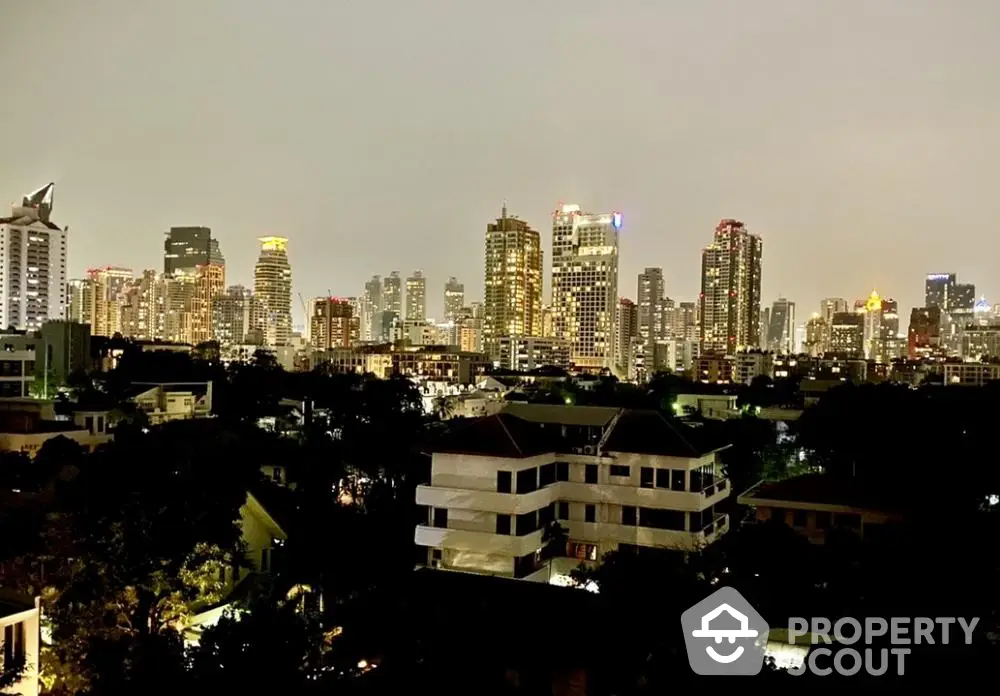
163	402
26	424
814	504
613	479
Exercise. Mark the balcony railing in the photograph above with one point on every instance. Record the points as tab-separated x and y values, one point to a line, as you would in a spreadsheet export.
717	487
716	526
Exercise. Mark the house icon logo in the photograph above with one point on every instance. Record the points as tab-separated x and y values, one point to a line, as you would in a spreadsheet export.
724	635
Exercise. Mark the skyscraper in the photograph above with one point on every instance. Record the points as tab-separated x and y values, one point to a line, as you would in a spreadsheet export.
512	295
79	296
454	299
781	327
816	335
32	263
585	284
178	298
847	335
186	248
236	317
372	307
392	294
209	283
103	312
924	334
730	290
686	321
273	288
330	323
627	339
416	297
939	289
831	306
650	309
142	307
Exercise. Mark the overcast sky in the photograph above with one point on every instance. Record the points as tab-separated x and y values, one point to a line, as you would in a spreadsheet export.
858	137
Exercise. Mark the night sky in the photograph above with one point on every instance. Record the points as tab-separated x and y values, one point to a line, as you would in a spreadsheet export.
858	137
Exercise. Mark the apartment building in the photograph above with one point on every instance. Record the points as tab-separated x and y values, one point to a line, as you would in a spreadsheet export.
970	373
613	479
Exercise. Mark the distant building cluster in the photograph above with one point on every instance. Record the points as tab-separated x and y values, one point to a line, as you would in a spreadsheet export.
585	327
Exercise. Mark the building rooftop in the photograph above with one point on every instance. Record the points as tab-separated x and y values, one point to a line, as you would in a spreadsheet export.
650	432
559	414
25	220
520	431
12	602
500	435
823	489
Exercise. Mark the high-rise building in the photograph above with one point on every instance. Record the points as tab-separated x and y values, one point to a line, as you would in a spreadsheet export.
956	302
964	298
830	306
512	295
887	344
142	306
236	317
585	284
924	334
209	283
627	338
764	326
186	248
686	321
781	329
330	323
392	294
651	315
416	297
273	288
103	311
847	335
816	336
32	264
372	306
454	299
939	289
178	298
79	298
730	290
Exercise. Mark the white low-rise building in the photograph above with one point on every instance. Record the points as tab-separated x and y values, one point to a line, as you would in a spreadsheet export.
173	401
499	481
20	640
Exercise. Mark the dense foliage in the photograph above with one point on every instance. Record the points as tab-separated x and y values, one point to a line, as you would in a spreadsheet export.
127	542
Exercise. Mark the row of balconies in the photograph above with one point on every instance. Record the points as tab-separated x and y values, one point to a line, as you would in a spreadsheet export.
599	533
571	491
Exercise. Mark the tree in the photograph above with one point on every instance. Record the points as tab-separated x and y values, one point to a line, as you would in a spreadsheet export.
208	351
649	651
143	533
554	538
444	407
266	648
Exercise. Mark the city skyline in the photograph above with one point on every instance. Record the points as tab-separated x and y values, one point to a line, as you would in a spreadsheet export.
865	167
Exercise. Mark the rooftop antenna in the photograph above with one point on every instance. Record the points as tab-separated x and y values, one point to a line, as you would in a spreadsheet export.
503	210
